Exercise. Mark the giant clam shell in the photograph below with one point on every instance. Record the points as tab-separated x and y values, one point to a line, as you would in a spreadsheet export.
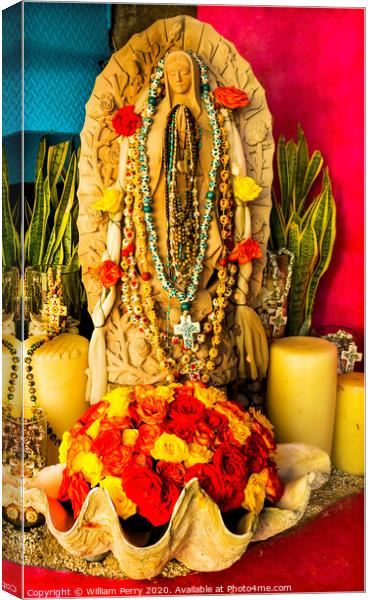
196	534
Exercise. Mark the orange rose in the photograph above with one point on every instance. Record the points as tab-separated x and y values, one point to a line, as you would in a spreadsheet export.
245	251
152	409
174	472
203	435
148	434
91	414
231	97
114	423
273	485
77	492
108	271
115	461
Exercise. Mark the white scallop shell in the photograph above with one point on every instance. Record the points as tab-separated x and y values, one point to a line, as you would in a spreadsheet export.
196	534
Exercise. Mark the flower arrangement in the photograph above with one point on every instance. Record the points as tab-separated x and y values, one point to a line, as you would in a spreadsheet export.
231	97
245	251
144	443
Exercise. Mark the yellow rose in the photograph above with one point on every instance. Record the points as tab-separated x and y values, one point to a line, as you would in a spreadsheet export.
209	396
166	392
89	465
198	454
246	189
262	419
93	430
64	447
130	436
119	399
240	430
111	201
169	447
124	506
254	494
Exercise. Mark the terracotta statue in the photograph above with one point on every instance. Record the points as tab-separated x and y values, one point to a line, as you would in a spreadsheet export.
202	326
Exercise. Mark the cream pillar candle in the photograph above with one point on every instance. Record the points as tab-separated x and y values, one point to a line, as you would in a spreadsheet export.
59	371
348	446
7	370
301	390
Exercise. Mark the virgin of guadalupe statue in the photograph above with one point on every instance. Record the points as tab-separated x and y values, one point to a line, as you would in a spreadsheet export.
180	237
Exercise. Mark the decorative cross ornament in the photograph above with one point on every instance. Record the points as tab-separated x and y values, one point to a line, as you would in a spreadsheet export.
54	310
186	328
277	320
351	356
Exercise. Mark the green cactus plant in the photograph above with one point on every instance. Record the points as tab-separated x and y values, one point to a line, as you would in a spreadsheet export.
51	237
303	223
10	237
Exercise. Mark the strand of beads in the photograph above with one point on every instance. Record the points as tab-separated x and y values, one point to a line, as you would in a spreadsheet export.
14	370
138	294
54	310
183	217
184	297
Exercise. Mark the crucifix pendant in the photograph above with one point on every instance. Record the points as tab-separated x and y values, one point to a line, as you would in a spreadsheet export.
277	320
186	328
54	310
351	356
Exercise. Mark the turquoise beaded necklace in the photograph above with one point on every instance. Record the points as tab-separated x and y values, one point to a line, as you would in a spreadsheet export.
187	296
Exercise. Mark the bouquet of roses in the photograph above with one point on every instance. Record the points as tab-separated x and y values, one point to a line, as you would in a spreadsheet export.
144	443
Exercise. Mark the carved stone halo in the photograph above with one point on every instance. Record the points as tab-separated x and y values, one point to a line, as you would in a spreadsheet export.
125	80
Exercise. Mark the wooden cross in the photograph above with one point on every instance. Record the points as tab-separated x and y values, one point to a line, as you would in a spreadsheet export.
351	356
277	320
54	310
186	328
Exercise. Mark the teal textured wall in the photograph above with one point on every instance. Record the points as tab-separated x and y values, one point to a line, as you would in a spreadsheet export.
65	45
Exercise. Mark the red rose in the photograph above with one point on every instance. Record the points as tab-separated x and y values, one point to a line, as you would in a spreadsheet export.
155	498
115	462
256	452
108	271
274	487
77	492
230	461
63	490
173	472
94	412
126	121
231	97
265	434
245	251
148	434
226	435
141	460
183	430
215	420
204	435
209	479
232	494
186	409
106	442
152	409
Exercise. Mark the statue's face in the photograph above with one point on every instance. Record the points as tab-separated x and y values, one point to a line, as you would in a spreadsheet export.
179	74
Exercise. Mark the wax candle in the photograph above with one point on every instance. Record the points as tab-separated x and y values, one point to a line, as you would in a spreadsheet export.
7	371
301	390
348	446
59	372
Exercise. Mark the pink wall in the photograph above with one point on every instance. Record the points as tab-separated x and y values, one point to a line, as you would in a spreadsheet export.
311	64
